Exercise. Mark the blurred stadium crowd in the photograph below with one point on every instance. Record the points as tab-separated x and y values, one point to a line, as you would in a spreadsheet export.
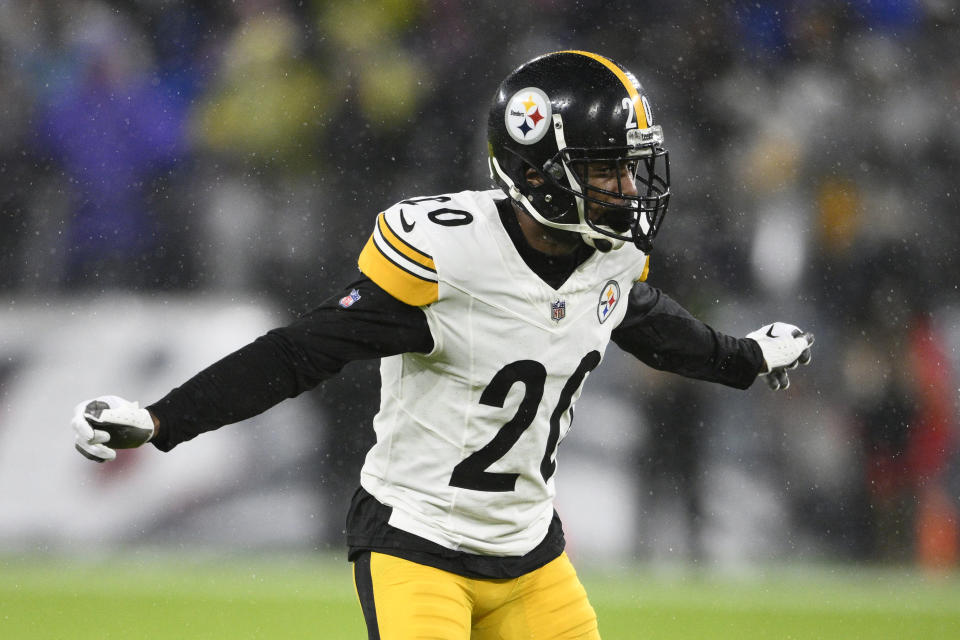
246	146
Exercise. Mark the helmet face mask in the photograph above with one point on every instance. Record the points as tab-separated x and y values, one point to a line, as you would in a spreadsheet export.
574	119
632	208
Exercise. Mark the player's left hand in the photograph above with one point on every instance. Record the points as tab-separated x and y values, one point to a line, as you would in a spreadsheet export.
784	347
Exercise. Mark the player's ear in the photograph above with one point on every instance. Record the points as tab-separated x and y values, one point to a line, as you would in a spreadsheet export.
533	178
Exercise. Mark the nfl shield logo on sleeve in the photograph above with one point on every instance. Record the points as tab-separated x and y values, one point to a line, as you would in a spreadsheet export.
347	301
558	310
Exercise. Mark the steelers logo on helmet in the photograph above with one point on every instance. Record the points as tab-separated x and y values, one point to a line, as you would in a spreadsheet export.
527	117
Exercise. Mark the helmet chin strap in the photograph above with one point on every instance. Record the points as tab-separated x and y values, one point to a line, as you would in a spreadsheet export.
602	245
524	201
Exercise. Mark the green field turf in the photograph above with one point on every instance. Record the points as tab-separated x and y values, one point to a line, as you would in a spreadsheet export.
309	597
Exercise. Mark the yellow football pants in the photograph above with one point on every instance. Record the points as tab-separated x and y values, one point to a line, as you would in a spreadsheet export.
403	600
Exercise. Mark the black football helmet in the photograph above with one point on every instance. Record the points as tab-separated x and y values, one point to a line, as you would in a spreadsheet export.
568	116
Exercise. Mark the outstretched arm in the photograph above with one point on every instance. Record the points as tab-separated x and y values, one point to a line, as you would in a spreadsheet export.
362	322
664	335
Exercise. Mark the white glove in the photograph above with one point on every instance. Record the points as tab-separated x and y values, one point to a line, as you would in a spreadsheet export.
784	346
110	419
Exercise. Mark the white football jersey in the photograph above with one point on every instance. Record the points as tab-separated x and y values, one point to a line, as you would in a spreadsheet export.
467	434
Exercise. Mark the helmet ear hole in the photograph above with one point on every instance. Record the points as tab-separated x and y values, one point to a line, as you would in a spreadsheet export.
533	177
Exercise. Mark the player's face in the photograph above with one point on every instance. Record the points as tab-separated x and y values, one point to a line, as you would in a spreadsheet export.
608	179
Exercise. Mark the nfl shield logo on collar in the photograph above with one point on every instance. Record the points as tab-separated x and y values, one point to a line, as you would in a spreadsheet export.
558	310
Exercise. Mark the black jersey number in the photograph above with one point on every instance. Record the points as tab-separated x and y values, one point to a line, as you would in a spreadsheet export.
471	472
444	217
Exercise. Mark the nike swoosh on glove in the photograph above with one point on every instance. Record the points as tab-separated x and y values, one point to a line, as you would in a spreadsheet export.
784	346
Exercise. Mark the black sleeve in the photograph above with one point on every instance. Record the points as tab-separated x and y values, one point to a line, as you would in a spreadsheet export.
665	336
361	322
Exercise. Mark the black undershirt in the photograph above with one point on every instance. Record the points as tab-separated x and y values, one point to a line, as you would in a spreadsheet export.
287	361
554	270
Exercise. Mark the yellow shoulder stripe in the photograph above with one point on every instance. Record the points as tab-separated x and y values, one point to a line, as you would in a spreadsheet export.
646	271
627	83
401	246
415	289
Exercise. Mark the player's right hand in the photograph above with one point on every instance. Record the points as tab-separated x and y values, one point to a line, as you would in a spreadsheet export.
108	423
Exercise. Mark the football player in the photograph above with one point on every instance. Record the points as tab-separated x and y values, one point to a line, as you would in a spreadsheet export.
489	310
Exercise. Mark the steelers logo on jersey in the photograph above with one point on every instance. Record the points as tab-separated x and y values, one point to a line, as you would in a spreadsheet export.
527	117
608	300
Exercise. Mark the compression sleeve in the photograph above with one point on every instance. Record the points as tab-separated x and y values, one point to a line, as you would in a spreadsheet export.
664	335
362	322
